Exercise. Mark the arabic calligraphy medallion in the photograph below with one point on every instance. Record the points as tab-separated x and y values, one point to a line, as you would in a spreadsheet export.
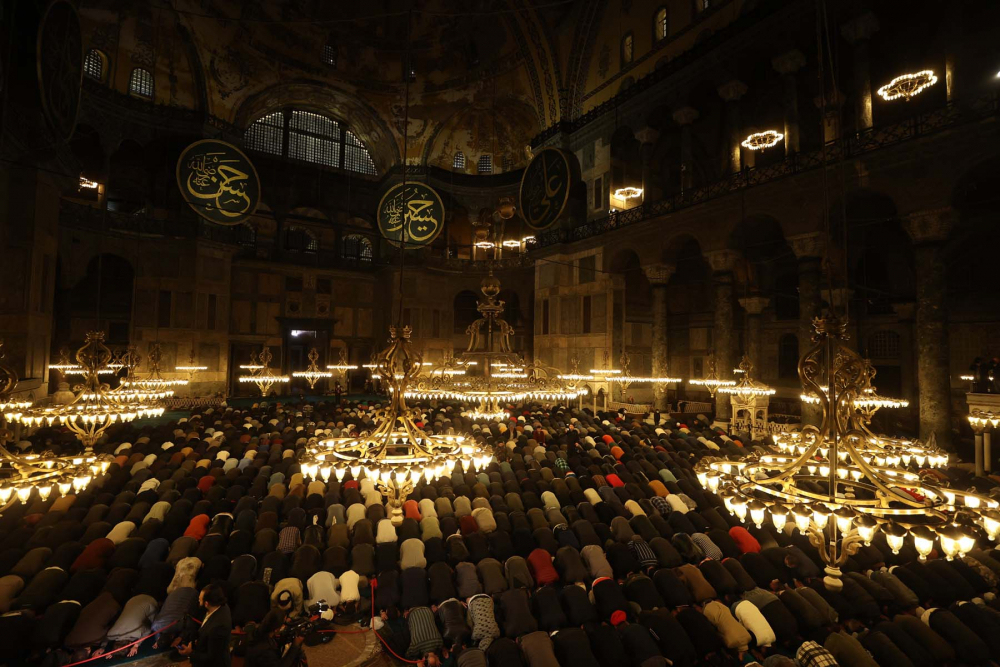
218	181
413	214
545	188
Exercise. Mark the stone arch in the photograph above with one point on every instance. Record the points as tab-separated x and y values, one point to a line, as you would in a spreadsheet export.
512	307
971	284
879	252
689	288
102	298
767	260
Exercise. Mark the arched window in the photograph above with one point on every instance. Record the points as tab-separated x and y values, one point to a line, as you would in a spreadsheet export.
627	49
508	163
701	5
788	357
356	156
459	162
297	238
357	248
94	64
329	55
311	137
660	24
464	308
140	83
485	165
266	135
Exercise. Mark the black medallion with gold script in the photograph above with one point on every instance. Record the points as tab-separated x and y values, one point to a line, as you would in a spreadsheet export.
218	181
412	213
545	187
60	67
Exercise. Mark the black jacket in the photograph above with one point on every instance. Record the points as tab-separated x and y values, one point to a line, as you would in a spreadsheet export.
211	649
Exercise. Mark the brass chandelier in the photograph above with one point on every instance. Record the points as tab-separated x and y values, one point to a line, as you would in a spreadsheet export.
261	373
829	486
711	381
153	381
489	374
396	453
879	449
312	373
23	474
95	407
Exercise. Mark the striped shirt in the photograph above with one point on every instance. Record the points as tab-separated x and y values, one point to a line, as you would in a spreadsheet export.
642	552
424	633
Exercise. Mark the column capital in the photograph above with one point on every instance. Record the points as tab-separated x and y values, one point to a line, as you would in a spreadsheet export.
647	135
807	245
659	275
722	260
754	305
732	91
685	115
789	62
860	28
930	226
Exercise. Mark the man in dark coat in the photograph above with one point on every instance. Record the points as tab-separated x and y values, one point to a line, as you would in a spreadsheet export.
211	648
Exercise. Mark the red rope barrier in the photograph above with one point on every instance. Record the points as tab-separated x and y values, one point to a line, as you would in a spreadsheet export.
120	648
370	628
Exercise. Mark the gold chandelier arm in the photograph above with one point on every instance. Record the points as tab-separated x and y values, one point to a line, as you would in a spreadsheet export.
873	477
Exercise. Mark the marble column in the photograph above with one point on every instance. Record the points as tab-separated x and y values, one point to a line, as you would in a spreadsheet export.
754	306
858	32
723	330
658	276
647	137
685	117
929	230
808	249
787	64
731	93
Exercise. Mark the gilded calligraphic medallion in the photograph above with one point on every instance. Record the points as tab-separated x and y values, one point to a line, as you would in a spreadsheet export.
411	213
545	187
218	181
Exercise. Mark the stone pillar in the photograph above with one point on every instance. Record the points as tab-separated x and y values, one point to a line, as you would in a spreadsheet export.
858	32
787	64
723	330
731	93
658	276
684	117
647	137
808	249
929	230
754	306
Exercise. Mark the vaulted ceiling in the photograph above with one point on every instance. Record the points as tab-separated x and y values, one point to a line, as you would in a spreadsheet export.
489	74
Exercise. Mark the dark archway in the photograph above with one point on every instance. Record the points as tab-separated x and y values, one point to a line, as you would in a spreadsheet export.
102	299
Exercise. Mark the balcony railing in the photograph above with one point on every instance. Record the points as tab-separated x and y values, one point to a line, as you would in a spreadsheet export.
921	125
95	219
